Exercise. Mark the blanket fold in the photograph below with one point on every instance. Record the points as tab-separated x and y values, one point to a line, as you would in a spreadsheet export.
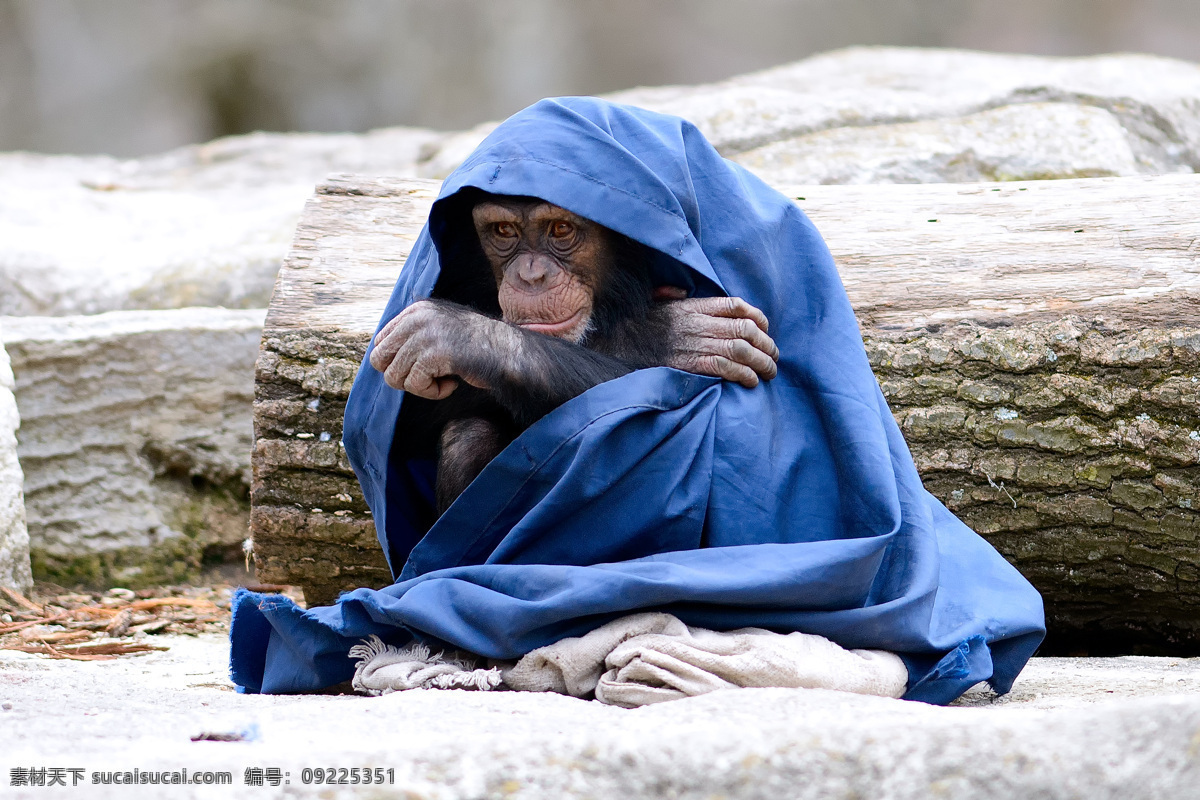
642	659
649	658
792	507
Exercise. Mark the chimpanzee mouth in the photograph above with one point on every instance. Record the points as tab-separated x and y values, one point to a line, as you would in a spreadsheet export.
554	328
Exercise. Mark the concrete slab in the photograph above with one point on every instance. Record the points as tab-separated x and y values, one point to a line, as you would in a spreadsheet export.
1097	728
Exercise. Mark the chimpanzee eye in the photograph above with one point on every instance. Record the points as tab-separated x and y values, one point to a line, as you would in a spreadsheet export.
505	230
561	230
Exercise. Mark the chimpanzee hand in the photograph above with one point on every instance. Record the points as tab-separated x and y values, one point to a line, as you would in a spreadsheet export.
725	337
429	346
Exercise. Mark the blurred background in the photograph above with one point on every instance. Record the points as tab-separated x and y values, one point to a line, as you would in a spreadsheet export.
133	77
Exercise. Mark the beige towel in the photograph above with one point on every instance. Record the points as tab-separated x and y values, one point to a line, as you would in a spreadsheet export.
649	658
643	659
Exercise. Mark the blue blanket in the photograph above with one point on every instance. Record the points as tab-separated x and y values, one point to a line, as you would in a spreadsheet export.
793	506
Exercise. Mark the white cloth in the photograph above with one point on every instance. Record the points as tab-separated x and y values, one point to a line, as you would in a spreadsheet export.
649	658
383	668
643	659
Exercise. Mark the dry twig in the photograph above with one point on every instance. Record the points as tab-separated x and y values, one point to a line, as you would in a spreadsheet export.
81	626
87	652
20	600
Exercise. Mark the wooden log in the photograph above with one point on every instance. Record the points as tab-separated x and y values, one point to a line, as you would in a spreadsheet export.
1039	344
309	522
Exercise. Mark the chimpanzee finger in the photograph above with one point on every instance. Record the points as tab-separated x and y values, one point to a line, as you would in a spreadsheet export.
425	383
395	372
745	353
745	329
708	363
737	351
390	339
721	367
388	327
384	353
420	369
405	315
731	307
406	351
379	359
381	354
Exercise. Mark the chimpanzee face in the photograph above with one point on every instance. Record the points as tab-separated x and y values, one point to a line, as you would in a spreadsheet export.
547	262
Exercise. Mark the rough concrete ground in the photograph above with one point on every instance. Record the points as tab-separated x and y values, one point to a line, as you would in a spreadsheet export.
1096	728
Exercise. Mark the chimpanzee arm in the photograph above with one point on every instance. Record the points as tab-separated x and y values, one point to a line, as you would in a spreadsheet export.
540	374
433	344
466	446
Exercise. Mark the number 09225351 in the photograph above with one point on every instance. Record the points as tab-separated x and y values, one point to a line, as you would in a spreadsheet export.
347	775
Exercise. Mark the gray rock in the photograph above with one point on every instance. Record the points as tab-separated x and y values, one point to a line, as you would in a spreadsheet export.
206	225
1153	98
14	539
444	156
135	439
1033	141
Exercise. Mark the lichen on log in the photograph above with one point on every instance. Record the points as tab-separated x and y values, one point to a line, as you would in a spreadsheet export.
311	526
1038	344
1072	447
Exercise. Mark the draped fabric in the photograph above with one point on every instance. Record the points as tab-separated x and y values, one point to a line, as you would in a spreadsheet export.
792	506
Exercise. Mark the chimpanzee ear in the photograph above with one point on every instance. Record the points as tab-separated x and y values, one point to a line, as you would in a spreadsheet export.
663	293
667	272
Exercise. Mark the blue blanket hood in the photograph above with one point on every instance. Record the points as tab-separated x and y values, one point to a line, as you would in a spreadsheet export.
794	506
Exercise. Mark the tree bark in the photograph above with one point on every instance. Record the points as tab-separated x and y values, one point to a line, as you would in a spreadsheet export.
1038	342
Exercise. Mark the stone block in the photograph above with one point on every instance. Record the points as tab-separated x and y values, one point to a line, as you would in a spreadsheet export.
868	92
1029	141
135	440
206	225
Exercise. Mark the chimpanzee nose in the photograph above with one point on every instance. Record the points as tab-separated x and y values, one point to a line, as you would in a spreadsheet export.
534	271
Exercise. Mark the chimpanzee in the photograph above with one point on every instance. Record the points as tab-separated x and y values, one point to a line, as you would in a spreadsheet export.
549	304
